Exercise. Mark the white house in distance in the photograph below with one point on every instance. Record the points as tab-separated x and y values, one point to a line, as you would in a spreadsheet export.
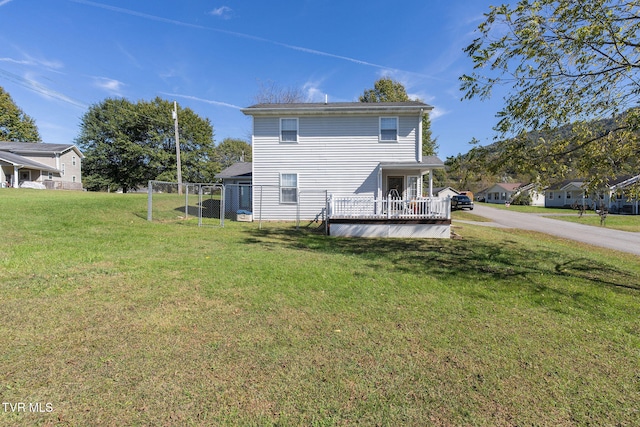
56	166
343	162
566	194
501	192
619	200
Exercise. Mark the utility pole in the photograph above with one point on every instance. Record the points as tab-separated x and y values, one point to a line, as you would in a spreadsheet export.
175	124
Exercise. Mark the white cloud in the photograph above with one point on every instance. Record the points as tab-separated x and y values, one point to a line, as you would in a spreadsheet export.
29	81
16	61
31	60
313	92
110	85
223	12
436	113
3	2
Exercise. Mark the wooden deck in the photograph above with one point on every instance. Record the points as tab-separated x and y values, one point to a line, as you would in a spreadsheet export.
362	216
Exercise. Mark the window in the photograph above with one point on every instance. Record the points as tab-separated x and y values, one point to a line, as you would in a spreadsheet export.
288	130
73	160
550	195
388	128
62	169
568	195
73	178
50	175
289	188
412	187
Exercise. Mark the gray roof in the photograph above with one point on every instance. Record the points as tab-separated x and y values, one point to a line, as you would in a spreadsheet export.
37	147
338	108
236	170
428	162
18	160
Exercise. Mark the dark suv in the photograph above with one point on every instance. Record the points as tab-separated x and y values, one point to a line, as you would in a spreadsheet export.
461	202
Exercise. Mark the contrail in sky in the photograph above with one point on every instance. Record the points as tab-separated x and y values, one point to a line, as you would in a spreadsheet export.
208	101
245	36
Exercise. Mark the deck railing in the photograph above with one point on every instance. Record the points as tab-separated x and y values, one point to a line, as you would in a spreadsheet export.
368	207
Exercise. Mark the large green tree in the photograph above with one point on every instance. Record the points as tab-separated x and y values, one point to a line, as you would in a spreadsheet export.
562	62
127	144
15	125
230	151
389	90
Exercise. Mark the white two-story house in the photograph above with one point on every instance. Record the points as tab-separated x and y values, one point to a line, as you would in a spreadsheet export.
344	162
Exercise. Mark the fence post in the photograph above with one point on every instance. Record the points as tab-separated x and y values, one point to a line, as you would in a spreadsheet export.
186	201
149	201
326	211
389	205
223	209
199	205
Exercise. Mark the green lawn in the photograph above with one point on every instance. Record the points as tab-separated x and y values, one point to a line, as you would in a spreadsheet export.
113	320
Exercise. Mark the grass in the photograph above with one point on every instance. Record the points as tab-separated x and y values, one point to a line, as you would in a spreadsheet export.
114	320
617	222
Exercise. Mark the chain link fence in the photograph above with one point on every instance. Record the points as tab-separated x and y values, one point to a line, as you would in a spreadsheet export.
170	201
210	204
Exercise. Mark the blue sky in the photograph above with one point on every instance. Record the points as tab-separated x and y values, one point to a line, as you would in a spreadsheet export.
58	57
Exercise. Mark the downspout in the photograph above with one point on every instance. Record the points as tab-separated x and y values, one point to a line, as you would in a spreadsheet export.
379	191
419	141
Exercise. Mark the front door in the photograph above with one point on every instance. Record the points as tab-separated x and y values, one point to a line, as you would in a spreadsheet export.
395	186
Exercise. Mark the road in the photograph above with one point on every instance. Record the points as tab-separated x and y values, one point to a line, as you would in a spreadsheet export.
623	241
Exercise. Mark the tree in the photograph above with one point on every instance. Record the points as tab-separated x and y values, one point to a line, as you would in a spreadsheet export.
566	62
15	125
388	90
272	93
230	151
126	144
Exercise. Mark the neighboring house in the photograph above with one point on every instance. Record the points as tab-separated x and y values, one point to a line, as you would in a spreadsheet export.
619	201
531	193
501	192
56	166
312	161
444	192
237	180
567	194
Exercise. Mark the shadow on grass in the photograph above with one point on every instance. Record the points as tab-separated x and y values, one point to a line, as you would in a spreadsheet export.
210	209
505	263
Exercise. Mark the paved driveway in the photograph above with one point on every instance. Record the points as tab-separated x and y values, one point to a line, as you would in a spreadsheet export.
624	241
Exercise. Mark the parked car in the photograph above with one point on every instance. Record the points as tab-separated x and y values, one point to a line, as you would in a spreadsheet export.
461	202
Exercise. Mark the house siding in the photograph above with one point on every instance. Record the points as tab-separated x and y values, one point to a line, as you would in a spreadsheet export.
339	154
51	158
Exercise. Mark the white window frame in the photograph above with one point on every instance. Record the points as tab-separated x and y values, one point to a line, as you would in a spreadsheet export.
73	160
380	129
282	187
286	141
413	187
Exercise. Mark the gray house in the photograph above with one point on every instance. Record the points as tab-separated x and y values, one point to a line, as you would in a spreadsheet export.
339	160
54	166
